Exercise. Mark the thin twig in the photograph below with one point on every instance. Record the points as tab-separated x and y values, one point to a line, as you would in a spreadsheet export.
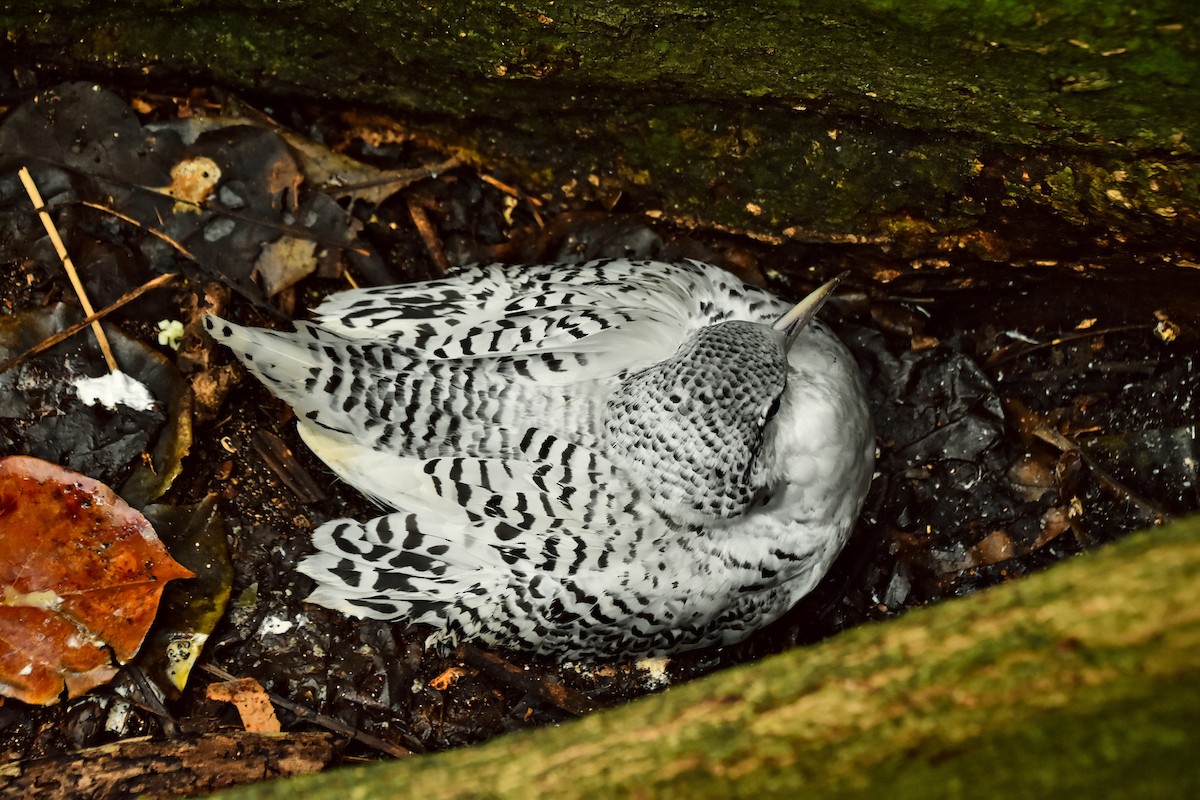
399	177
324	721
279	459
546	688
514	192
51	231
429	236
63	335
1068	337
511	191
146	228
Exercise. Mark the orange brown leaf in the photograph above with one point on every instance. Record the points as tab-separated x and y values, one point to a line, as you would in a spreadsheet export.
252	702
81	575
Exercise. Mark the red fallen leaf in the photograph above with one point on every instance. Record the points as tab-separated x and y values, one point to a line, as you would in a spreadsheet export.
81	574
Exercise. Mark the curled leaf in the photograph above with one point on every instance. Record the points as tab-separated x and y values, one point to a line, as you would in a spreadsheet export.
252	702
189	611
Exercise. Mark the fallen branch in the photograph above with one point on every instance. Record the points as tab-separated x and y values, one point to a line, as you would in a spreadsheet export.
167	768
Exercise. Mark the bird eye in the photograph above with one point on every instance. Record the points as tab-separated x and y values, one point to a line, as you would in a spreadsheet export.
773	408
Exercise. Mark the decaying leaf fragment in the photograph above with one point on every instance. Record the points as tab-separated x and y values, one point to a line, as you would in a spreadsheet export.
81	574
252	702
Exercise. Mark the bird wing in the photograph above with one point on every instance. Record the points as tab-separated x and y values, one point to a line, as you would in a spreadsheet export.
599	307
476	534
373	394
454	366
479	293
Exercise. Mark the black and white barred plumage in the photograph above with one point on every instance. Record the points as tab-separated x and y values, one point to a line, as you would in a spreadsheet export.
585	461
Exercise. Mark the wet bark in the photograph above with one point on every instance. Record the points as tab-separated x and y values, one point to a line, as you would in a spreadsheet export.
178	767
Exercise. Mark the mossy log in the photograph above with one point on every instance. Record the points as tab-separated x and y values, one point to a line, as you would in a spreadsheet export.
934	124
1082	681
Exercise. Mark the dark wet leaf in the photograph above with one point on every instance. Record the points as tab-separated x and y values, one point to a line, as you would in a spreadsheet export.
937	404
88	130
41	414
189	611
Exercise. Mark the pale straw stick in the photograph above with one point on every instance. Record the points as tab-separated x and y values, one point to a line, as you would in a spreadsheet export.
56	240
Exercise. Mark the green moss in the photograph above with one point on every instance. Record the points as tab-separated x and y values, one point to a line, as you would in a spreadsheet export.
719	110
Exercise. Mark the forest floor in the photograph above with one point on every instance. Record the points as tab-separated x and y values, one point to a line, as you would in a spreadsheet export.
1026	410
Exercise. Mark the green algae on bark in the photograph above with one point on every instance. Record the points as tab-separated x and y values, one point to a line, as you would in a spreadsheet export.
804	119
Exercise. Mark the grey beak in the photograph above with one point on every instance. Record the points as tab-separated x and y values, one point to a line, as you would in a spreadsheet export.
791	323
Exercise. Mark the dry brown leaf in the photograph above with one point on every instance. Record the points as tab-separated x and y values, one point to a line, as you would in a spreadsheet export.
252	702
447	679
81	574
997	546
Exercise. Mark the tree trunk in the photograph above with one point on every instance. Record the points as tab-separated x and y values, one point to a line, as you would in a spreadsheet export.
929	125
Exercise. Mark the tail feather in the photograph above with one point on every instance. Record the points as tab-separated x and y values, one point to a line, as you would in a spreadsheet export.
379	395
287	362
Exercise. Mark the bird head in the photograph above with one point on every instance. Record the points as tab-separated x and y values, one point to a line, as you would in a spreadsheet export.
694	431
